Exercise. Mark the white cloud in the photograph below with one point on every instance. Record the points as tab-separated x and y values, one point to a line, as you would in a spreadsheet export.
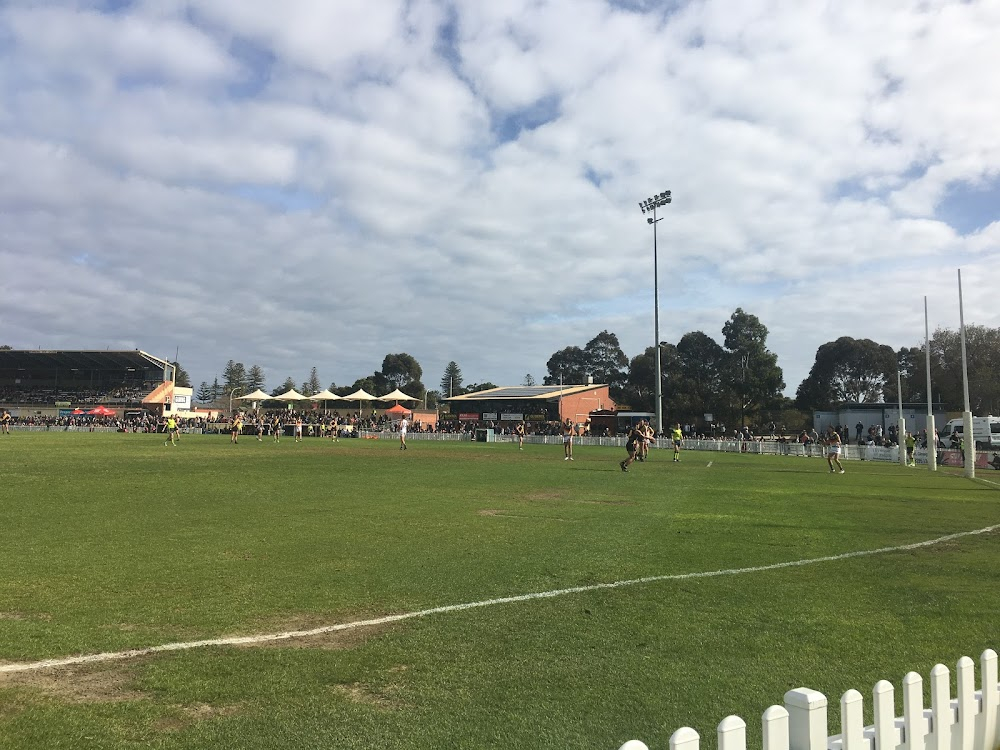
460	180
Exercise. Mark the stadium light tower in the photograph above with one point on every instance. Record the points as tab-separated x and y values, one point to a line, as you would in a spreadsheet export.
649	206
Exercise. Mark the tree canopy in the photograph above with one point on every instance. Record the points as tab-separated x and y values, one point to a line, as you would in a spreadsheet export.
751	369
848	371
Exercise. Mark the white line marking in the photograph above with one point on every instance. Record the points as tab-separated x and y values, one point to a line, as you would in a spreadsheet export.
252	639
709	464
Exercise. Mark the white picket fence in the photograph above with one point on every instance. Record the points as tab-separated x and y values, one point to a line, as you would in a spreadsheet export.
971	721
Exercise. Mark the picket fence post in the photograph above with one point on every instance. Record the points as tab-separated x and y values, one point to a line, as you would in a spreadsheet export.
913	711
941	711
684	738
807	728
852	721
774	725
633	745
732	734
965	681
991	701
884	712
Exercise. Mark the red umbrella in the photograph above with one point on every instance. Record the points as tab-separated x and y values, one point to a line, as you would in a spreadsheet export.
102	411
78	411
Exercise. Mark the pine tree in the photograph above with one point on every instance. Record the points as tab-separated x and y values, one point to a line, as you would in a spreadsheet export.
255	378
205	393
451	381
234	376
312	386
288	385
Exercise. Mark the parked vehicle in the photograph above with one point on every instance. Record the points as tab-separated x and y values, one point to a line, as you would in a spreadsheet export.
985	431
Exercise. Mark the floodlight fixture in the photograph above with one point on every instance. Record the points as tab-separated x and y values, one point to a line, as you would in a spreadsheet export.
651	204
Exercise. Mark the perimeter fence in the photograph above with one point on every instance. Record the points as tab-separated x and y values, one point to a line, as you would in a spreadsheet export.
970	721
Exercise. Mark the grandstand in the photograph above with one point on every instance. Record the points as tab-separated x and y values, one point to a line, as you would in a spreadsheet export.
47	382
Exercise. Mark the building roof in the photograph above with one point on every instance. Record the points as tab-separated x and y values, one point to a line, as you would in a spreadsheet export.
526	393
40	359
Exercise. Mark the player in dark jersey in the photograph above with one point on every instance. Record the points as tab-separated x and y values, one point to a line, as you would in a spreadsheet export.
633	444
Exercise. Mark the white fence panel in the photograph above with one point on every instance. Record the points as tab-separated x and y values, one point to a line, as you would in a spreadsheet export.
971	721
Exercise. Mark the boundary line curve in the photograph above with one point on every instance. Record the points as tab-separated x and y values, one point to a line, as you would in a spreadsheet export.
288	635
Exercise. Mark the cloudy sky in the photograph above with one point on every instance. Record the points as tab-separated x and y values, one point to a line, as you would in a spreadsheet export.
323	182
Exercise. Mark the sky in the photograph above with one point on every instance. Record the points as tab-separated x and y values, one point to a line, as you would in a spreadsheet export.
318	184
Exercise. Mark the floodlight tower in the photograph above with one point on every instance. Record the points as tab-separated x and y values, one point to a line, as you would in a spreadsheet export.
650	205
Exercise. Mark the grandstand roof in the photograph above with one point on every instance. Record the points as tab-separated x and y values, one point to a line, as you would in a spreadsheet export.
526	392
39	359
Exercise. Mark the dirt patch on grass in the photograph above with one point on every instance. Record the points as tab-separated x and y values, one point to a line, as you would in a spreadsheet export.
543	497
387	696
25	616
532	517
186	716
77	685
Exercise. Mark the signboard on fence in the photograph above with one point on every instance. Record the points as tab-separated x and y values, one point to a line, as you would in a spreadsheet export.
511	417
490	415
949	457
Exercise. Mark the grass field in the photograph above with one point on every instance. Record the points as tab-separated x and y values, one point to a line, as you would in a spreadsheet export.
112	542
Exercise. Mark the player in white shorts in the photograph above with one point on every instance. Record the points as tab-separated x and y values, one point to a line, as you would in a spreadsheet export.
833	450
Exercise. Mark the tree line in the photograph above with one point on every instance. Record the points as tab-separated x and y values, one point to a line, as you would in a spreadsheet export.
856	370
737	381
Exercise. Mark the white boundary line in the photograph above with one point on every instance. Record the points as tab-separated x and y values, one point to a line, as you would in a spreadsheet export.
253	639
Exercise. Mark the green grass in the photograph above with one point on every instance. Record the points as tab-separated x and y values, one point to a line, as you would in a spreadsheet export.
113	542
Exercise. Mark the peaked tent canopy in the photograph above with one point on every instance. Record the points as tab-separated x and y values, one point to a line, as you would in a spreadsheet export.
360	395
102	411
257	395
325	395
290	395
397	395
398	410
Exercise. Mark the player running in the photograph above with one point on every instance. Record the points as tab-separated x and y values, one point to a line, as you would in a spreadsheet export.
636	436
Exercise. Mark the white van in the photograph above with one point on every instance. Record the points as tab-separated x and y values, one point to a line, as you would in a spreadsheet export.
986	431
